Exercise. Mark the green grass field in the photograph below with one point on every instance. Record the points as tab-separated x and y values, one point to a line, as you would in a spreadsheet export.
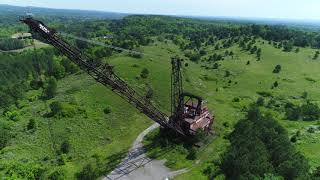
93	133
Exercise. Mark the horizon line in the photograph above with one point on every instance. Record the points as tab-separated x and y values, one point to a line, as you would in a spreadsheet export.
177	15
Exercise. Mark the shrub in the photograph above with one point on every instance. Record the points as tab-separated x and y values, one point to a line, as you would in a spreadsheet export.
192	154
311	130
12	115
227	73
36	84
56	107
32	125
215	66
275	84
65	147
58	174
293	139
264	94
292	112
4	137
316	173
144	73
260	101
226	124
310	112
277	69
304	95
248	63
149	94
107	110
89	172
51	89
236	99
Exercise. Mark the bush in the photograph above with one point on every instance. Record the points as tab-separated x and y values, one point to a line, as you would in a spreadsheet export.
4	137
275	84
58	71
32	125
58	174
192	154
36	84
215	66
107	110
89	172
277	69
310	112
227	73
149	94
236	99
316	173
65	147
144	73
12	115
294	139
304	95
63	109
292	112
56	107
260	101
51	89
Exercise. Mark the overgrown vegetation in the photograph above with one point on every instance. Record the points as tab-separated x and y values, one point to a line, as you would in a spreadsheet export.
260	146
55	111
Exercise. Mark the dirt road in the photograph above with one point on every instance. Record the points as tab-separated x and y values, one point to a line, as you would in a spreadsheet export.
137	166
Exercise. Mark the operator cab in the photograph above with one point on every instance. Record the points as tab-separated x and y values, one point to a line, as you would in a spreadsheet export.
195	115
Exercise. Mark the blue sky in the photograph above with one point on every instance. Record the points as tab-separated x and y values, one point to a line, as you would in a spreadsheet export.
288	9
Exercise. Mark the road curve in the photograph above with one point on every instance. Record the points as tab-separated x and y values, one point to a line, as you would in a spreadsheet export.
137	166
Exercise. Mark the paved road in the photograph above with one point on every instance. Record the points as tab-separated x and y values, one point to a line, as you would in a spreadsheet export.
137	166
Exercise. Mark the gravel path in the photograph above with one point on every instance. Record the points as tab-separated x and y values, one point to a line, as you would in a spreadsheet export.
137	166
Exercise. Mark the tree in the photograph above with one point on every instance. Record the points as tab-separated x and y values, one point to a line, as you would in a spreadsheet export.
89	172
32	125
316	55
69	66
259	53
292	112
277	69
107	110
57	70
316	173
149	94
310	112
144	73
56	108
65	147
260	101
51	89
287	46
215	66
4	137
58	174
227	73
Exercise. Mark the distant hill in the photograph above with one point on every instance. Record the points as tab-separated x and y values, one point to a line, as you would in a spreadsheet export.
18	10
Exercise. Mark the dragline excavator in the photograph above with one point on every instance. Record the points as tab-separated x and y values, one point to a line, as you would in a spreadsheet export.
187	116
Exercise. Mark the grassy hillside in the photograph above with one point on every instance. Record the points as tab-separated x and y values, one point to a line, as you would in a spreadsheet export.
247	82
112	134
96	127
